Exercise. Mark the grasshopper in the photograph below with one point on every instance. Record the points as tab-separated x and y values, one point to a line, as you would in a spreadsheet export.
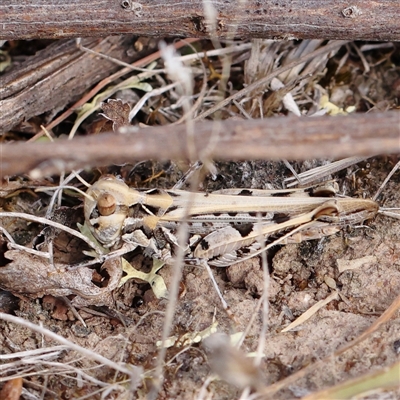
225	227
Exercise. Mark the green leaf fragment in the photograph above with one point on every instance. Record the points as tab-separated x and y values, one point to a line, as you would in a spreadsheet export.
156	281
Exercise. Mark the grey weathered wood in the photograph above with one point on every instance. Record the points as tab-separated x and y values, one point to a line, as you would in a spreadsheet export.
57	75
328	19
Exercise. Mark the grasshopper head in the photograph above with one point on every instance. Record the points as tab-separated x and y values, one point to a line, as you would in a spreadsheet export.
106	208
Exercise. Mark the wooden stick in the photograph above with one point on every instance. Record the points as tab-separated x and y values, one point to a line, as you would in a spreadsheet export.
273	138
311	19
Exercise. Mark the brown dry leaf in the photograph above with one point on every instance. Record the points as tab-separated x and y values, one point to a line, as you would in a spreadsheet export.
12	389
32	276
116	111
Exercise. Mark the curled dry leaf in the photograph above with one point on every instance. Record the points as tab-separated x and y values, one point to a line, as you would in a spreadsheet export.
34	277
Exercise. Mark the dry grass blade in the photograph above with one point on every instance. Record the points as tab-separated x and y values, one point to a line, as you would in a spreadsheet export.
258	85
270	391
372	383
54	224
131	371
314	175
310	312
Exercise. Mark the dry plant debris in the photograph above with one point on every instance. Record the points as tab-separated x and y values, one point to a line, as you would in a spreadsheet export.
86	330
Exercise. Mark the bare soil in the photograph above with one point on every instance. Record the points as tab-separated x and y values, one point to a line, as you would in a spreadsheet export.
300	275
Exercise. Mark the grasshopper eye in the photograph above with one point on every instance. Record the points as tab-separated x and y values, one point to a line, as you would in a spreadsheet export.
106	204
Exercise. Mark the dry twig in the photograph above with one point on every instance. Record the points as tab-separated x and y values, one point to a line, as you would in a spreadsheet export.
328	19
275	138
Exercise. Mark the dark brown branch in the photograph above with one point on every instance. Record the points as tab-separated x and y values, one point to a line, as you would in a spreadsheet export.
328	19
274	138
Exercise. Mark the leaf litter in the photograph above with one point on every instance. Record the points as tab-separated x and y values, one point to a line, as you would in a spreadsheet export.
124	323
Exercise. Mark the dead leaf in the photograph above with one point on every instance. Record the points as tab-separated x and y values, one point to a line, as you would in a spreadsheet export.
116	111
12	389
32	276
